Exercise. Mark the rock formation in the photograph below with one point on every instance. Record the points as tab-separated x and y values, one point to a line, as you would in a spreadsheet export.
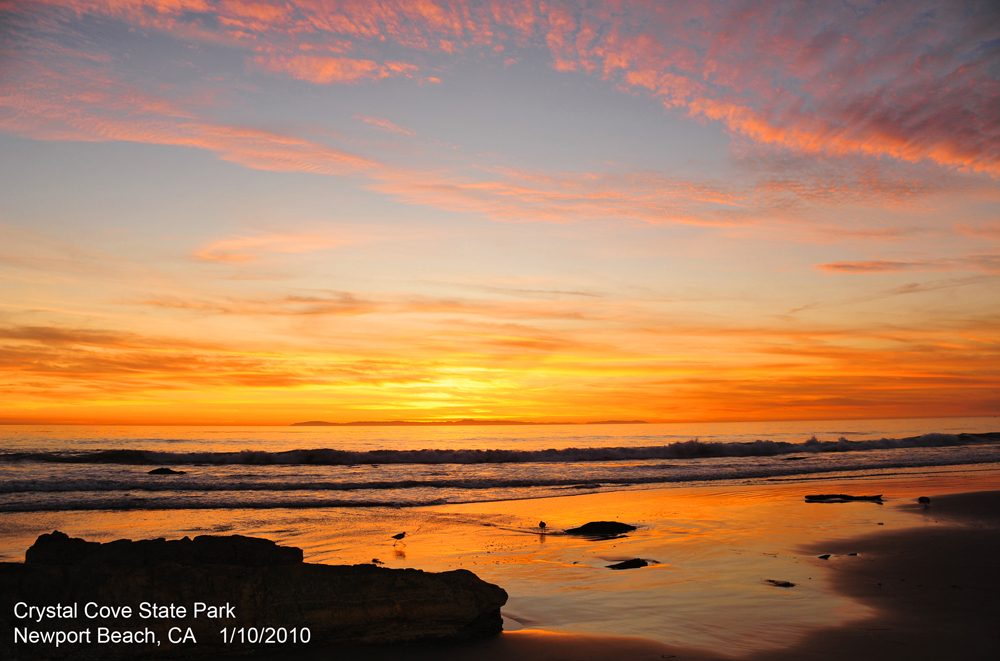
230	593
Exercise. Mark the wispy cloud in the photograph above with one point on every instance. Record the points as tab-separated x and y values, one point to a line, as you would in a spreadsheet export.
988	263
384	125
909	81
250	247
48	95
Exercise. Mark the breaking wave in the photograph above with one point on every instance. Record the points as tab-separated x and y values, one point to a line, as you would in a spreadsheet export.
693	449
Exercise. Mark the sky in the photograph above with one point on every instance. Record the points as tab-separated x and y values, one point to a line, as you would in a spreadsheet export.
222	212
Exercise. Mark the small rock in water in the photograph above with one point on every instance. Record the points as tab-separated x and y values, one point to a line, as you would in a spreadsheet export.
825	556
841	498
780	584
634	563
924	500
605	529
165	471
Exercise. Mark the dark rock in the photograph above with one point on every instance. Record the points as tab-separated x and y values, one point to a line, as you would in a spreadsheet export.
825	556
841	498
59	549
360	604
634	563
924	500
780	584
601	529
165	471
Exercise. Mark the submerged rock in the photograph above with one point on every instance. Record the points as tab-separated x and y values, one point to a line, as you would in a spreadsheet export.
165	471
634	563
841	498
601	529
780	584
240	584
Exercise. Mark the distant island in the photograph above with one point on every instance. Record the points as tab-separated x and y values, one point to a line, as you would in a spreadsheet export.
454	423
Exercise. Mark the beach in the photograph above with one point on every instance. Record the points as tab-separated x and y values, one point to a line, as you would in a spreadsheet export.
925	586
734	567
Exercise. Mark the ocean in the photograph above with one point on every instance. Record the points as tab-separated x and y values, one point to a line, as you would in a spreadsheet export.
65	468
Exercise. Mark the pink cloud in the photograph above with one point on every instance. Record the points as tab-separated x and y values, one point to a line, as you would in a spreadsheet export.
766	72
323	70
384	125
908	81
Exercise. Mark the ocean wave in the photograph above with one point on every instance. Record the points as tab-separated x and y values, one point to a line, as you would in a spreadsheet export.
121	503
693	449
318	490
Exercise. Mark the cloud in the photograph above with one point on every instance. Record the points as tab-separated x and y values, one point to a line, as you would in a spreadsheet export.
248	248
384	125
324	70
766	72
882	266
989	231
336	303
910	81
327	304
988	263
83	104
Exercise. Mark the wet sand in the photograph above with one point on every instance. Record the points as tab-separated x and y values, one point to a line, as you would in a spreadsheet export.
935	590
933	593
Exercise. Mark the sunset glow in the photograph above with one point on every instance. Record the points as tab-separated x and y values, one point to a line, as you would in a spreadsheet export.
224	212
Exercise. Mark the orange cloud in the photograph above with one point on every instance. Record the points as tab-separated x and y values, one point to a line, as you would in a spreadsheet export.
247	248
685	371
988	263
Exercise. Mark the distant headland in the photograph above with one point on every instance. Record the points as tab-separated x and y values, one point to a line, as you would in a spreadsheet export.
454	423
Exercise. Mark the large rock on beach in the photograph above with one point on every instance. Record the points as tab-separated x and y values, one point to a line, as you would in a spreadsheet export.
60	549
224	596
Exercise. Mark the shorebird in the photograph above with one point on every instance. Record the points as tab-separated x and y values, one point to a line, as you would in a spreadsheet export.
398	537
541	524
